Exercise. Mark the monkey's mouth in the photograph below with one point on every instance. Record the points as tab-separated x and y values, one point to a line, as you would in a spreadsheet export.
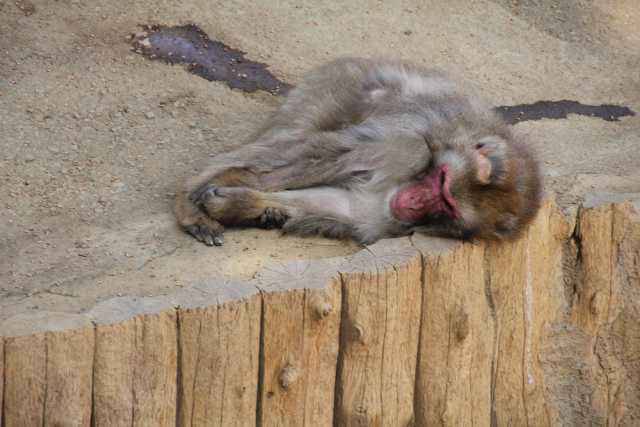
450	205
429	198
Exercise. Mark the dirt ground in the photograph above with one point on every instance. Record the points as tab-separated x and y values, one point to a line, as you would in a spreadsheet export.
94	137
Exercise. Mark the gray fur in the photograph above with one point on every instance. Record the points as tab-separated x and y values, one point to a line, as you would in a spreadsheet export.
362	129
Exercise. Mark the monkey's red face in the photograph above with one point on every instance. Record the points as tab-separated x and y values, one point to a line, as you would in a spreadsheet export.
488	189
429	197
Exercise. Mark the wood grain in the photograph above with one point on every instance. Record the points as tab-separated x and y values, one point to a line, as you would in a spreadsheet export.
382	295
453	385
301	323
25	373
219	355
135	369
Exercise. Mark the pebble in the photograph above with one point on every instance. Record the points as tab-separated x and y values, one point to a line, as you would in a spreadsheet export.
149	115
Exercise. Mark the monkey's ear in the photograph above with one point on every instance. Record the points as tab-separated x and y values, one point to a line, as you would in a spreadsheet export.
483	165
487	153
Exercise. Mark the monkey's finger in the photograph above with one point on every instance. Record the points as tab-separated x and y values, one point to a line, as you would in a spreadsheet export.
218	240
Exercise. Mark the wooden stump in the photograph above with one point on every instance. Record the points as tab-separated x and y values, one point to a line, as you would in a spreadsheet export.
544	330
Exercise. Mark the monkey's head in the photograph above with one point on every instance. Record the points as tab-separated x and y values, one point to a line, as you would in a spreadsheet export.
487	187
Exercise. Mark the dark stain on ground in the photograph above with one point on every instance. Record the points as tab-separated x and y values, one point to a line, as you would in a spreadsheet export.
210	59
215	61
560	110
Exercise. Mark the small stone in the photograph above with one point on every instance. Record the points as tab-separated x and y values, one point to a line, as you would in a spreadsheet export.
149	115
145	43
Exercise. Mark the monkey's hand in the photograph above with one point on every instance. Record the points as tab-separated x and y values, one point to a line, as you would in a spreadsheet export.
238	206
272	218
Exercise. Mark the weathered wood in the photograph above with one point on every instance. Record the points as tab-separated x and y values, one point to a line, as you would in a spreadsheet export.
113	374
1	379
382	295
48	374
137	358
525	295
155	373
69	374
605	317
24	394
219	341
301	323
453	385
619	351
545	305
595	233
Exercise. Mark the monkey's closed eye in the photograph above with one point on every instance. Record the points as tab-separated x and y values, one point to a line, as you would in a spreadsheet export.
479	145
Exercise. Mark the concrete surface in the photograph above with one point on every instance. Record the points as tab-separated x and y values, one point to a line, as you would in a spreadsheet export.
94	137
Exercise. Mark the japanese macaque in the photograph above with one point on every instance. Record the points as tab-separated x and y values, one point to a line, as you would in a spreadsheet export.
370	149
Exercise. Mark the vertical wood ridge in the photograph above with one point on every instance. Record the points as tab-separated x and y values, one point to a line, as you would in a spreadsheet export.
260	388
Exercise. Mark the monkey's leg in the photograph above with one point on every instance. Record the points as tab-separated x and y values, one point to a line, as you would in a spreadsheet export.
195	220
319	210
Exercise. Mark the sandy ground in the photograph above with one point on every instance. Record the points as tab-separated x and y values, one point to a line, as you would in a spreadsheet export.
95	137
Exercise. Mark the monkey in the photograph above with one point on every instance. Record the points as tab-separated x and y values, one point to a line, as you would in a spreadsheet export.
369	149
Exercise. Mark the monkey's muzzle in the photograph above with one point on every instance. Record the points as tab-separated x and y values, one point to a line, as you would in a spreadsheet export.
429	197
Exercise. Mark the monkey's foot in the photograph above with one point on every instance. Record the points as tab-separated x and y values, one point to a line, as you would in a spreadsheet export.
235	206
206	230
272	218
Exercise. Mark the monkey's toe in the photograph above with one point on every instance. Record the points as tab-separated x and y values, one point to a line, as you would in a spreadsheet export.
210	236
